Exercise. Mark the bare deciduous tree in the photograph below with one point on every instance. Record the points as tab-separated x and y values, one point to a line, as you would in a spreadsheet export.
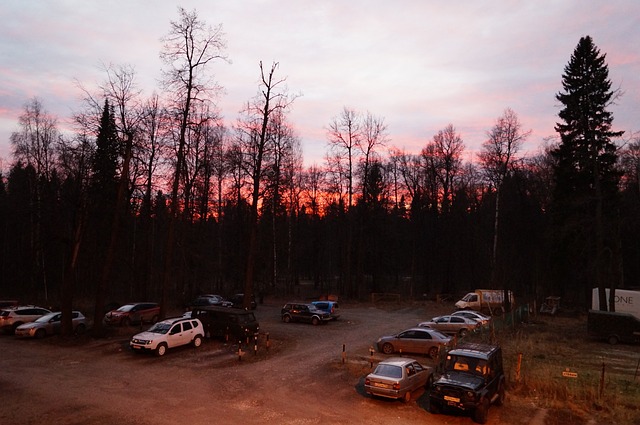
190	48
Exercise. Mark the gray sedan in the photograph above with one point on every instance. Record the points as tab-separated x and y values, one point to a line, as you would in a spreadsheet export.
414	340
50	324
397	378
452	325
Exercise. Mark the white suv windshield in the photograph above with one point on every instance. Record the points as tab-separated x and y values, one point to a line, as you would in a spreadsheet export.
160	328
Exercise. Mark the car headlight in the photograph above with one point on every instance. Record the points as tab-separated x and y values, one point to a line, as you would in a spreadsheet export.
471	395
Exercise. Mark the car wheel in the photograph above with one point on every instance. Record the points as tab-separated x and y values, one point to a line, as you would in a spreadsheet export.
41	333
387	348
463	332
433	352
80	329
407	397
126	321
197	341
613	339
161	350
481	412
286	318
315	321
501	395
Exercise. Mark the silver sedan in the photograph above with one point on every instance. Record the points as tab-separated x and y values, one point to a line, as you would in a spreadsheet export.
50	324
452	325
397	378
414	340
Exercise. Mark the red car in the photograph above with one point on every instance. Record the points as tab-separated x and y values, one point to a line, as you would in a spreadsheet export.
133	313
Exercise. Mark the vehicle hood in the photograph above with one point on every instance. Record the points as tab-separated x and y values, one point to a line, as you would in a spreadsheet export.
30	325
461	379
150	336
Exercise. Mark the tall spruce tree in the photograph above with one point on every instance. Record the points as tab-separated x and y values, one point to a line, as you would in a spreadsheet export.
584	207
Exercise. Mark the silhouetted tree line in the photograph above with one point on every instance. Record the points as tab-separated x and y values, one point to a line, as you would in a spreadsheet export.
155	199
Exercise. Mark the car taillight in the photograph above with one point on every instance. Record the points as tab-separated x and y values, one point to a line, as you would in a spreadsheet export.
367	381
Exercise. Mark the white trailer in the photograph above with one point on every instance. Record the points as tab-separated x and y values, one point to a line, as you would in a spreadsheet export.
625	301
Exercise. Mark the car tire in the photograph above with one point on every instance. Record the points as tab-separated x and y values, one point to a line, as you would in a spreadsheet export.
407	397
197	341
80	329
501	394
41	333
387	348
433	352
481	413
315	321
286	318
161	349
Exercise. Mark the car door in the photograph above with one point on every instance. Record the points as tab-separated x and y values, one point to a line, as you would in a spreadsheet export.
420	377
408	342
55	324
442	324
175	336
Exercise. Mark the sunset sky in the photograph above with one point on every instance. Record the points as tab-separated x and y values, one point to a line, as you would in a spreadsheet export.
419	64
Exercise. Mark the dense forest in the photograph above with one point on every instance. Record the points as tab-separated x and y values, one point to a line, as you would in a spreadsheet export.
154	198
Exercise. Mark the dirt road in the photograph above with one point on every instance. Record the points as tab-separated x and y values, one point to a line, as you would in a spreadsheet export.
300	380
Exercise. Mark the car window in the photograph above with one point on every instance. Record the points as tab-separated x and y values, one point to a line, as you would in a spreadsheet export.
186	326
455	319
423	335
442	320
389	371
417	366
176	329
410	370
194	323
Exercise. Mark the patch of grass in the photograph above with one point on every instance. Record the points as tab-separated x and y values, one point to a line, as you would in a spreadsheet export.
549	348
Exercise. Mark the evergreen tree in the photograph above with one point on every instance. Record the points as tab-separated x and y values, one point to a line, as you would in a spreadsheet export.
105	161
585	193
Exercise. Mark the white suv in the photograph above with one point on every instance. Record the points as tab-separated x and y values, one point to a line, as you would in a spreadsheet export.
169	333
12	317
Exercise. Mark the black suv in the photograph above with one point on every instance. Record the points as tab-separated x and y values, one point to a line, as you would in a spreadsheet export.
299	312
473	378
226	322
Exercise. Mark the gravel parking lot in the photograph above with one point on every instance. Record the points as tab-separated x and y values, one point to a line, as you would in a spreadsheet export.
300	379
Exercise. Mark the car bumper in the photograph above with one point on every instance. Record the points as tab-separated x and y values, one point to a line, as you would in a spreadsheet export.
383	392
29	333
451	401
141	347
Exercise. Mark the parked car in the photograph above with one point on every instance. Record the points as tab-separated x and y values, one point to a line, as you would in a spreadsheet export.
482	318
414	340
299	312
12	317
51	324
226	322
167	334
452	325
397	378
133	313
237	301
473	378
330	307
210	299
